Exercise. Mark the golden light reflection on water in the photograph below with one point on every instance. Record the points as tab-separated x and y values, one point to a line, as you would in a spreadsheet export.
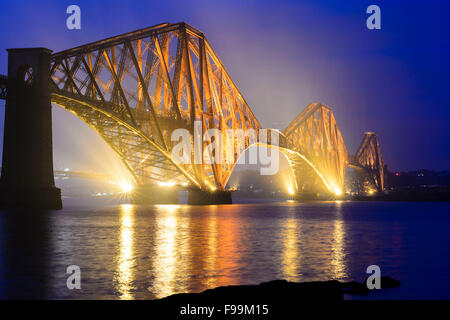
190	253
291	258
171	245
126	261
229	251
339	268
211	262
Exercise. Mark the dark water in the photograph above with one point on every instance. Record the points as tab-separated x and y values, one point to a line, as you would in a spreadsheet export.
146	252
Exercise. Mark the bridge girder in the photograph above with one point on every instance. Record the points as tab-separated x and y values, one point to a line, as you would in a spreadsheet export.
315	136
152	81
369	158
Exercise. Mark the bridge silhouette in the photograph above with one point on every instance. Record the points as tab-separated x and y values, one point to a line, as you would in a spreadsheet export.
134	90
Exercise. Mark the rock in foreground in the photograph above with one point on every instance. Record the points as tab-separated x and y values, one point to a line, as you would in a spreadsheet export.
280	296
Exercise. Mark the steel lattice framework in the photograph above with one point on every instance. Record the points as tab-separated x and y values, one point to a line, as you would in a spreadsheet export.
135	89
319	157
315	136
369	158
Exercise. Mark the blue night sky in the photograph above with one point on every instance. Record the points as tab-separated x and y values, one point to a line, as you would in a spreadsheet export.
283	55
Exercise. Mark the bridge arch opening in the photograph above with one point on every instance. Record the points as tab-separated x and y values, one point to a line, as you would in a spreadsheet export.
137	151
246	177
25	74
78	147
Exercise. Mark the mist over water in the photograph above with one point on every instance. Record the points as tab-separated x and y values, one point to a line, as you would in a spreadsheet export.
148	252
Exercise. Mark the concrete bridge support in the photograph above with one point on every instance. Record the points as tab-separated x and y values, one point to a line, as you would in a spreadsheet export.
27	168
202	197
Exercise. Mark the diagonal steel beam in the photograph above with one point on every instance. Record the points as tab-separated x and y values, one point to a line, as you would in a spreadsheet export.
146	95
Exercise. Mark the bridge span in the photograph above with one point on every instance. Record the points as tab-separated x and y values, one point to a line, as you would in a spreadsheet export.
134	90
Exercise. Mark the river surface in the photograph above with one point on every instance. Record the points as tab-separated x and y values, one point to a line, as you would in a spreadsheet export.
148	252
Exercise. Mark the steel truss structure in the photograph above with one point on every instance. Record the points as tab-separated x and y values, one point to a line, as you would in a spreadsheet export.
315	135
316	149
368	157
135	89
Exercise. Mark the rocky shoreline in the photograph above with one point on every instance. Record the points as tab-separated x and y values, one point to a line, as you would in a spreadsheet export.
279	295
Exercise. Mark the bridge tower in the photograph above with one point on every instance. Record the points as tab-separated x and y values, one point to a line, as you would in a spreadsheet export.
27	169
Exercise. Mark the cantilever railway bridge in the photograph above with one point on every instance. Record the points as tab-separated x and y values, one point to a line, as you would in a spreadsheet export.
135	89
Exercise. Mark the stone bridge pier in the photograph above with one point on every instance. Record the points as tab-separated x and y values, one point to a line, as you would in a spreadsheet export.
27	169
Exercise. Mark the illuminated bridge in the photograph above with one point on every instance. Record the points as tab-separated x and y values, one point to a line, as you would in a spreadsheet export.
135	89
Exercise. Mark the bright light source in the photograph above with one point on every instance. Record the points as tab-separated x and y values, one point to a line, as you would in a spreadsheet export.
213	188
126	187
184	184
291	191
337	191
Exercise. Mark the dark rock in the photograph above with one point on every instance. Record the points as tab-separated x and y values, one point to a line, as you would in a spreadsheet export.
386	282
354	287
281	296
273	291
